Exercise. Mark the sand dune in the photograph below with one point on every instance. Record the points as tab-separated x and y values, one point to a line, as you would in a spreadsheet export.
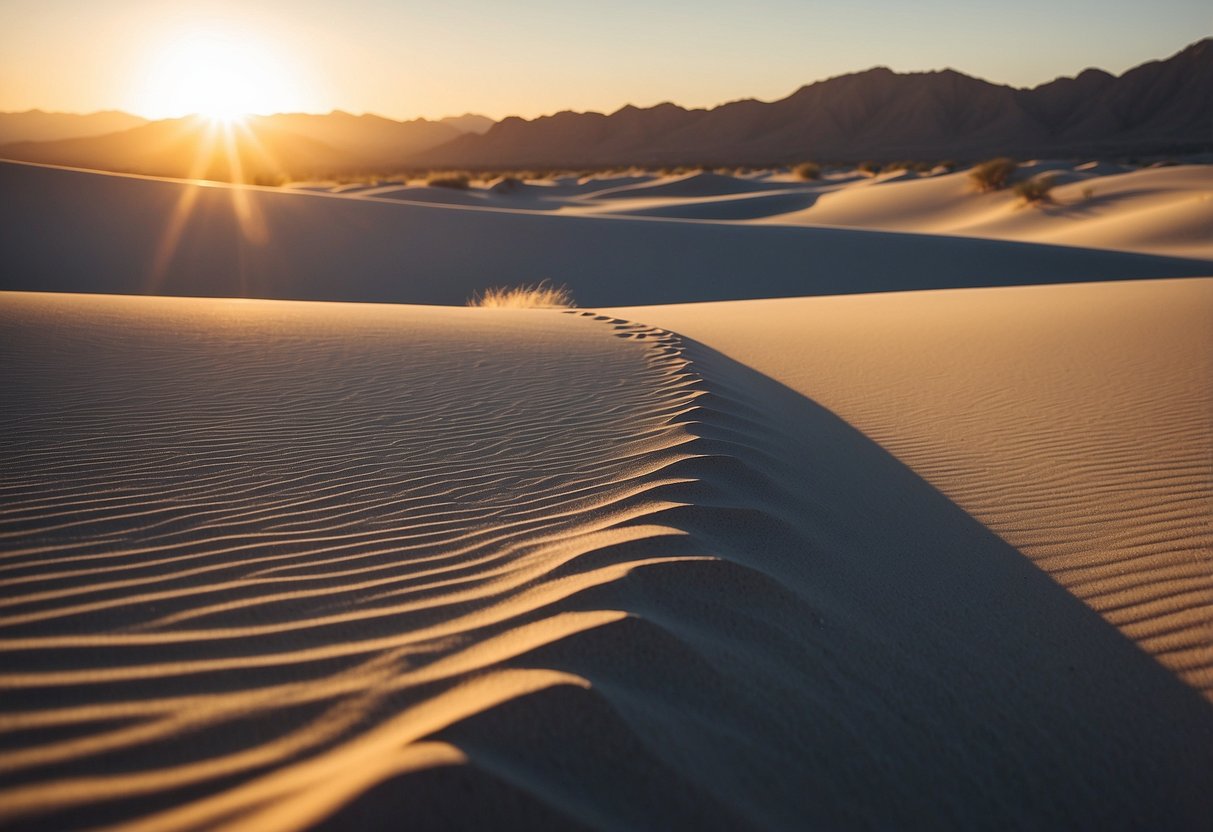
167	237
1074	421
745	206
1157	209
687	186
906	560
271	565
1167	210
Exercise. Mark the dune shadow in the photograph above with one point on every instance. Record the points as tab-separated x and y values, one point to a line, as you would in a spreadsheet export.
861	652
1088	206
269	573
125	237
735	209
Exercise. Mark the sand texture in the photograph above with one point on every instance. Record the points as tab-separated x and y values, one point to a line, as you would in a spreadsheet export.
275	565
939	555
1074	421
604	239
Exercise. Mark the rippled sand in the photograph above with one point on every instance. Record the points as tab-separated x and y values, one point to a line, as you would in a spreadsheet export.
275	565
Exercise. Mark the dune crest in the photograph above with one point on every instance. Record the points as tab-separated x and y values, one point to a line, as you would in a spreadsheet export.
173	238
283	564
1074	421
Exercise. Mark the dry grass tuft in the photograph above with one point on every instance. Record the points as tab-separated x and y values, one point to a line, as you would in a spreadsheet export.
542	295
1035	191
993	175
808	171
458	181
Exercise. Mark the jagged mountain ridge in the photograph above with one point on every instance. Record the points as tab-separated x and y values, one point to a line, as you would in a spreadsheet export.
1160	106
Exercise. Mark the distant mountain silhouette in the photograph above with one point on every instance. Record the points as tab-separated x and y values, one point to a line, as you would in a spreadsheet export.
192	147
1158	107
265	149
469	123
37	126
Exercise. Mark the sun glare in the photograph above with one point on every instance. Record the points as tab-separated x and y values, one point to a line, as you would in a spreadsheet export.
221	75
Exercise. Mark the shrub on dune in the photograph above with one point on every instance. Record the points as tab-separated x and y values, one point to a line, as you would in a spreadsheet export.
541	295
993	175
1036	191
808	170
459	181
870	168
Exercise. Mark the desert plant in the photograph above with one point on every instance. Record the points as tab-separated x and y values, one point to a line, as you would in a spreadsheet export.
994	174
542	295
1036	190
871	168
808	170
458	181
1088	193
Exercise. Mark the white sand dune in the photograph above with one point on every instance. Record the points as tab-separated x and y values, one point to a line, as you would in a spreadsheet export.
732	207
1074	421
1165	210
688	185
276	565
1156	209
908	560
138	235
423	193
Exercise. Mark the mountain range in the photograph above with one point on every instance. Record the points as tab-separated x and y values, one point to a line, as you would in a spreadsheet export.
1160	107
39	126
263	149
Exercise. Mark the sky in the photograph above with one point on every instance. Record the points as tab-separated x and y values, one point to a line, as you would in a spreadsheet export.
431	58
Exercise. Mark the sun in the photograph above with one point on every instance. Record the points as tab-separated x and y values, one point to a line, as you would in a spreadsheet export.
219	74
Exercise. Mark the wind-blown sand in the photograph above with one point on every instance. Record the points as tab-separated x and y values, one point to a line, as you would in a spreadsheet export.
1164	210
138	235
918	559
1074	421
269	565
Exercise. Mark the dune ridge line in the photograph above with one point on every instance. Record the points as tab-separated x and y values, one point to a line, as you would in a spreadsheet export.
278	564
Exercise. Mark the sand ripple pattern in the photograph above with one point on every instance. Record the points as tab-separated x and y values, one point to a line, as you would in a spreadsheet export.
278	566
263	546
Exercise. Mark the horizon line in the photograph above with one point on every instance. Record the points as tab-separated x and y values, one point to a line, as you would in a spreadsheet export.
619	108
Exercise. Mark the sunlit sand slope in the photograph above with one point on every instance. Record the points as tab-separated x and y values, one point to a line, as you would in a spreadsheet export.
1075	421
1156	209
271	566
74	231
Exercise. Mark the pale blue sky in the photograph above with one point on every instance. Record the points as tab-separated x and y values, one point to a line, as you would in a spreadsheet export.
406	58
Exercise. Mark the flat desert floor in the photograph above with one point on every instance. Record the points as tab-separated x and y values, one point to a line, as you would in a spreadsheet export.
793	558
